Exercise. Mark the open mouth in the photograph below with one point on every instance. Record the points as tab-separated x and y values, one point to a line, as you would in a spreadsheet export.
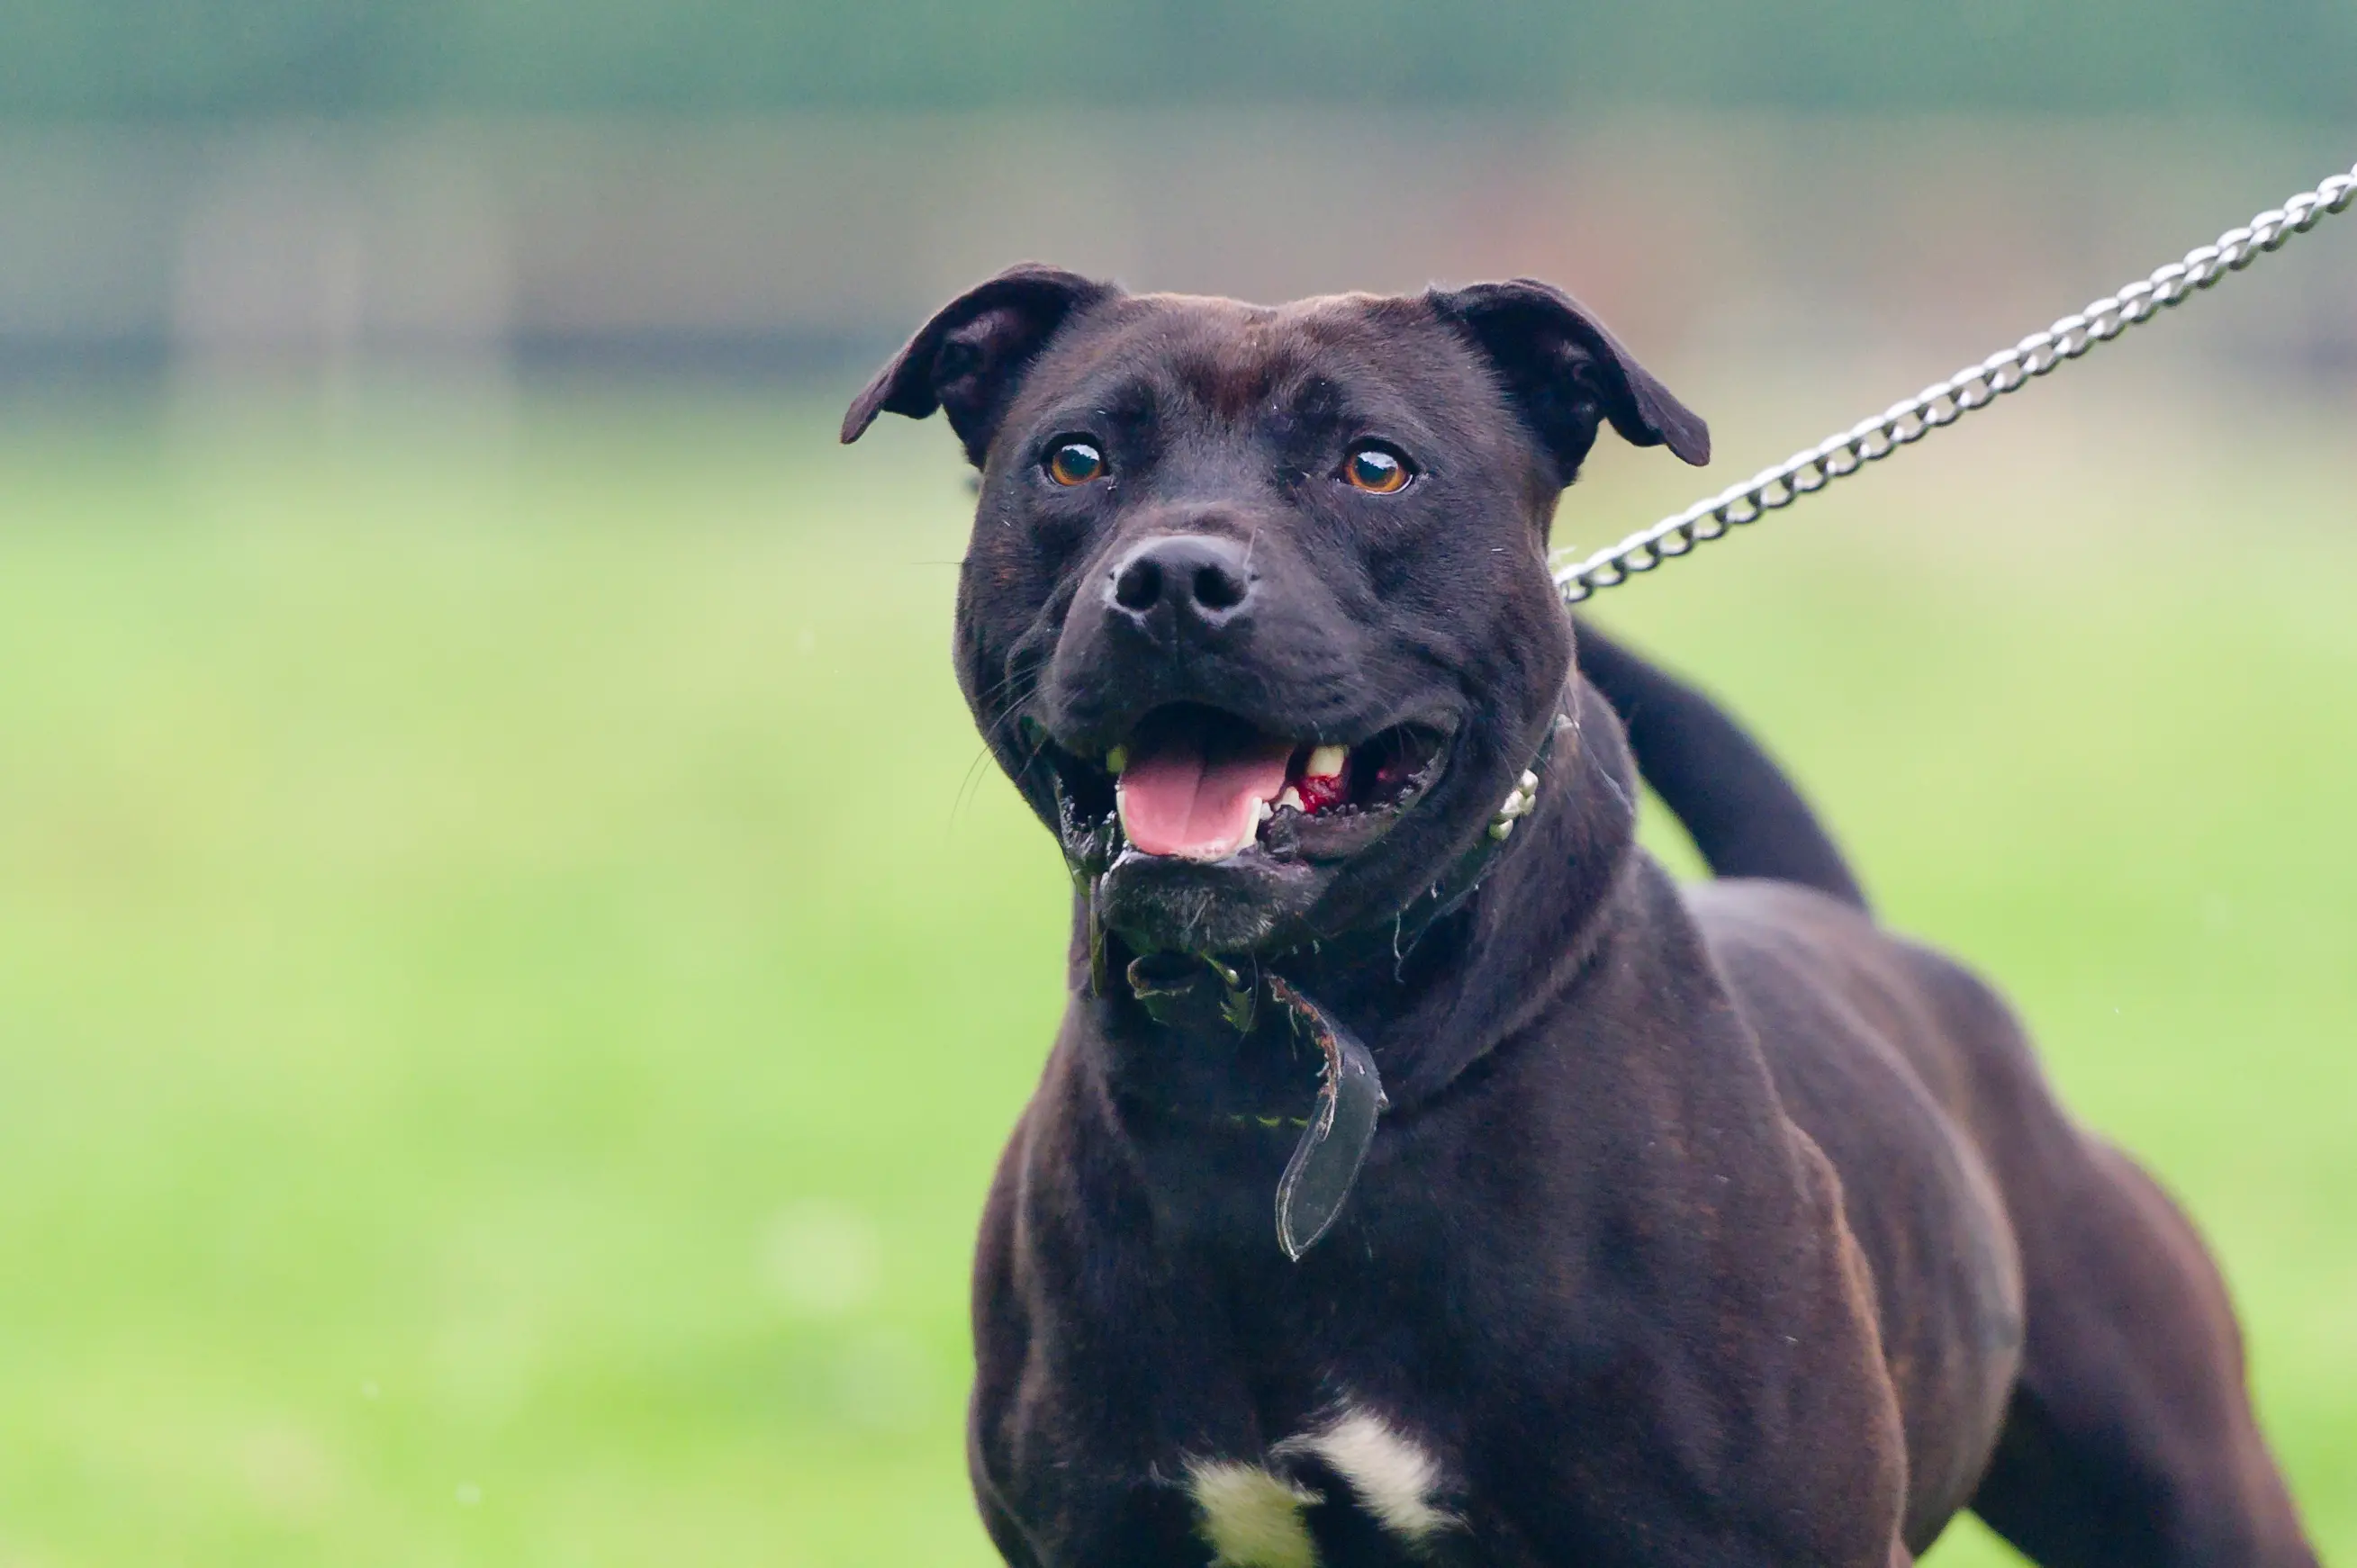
1196	783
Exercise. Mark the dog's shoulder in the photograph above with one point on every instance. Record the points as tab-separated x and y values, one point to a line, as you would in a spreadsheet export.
1826	988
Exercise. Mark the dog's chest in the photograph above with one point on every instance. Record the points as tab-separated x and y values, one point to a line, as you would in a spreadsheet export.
1357	1487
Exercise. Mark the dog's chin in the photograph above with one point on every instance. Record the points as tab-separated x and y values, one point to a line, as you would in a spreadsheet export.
1250	902
1271	897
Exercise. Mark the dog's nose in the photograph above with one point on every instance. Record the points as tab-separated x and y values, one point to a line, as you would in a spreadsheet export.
1180	583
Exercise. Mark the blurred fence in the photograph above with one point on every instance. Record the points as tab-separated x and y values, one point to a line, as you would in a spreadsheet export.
793	245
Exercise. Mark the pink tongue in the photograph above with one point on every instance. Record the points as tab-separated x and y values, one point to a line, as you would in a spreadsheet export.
1175	802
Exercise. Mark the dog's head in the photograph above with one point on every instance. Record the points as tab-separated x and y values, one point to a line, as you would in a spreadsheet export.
1256	612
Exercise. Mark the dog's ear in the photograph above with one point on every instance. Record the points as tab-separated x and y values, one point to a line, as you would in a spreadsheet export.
969	358
1565	373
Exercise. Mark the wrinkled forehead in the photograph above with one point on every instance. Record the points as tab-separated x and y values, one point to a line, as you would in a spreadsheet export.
1224	365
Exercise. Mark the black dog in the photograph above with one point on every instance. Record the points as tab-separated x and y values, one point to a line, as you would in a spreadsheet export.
1704	1226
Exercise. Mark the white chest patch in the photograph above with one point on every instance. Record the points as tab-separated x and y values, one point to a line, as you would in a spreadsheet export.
1250	1518
1254	1517
1394	1476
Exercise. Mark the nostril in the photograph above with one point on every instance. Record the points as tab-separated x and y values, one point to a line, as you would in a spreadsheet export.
1218	589
1139	584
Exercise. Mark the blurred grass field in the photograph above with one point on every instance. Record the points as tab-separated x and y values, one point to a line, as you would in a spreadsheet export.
513	974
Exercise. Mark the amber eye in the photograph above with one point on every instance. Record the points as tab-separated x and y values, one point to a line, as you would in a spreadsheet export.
1378	470
1075	463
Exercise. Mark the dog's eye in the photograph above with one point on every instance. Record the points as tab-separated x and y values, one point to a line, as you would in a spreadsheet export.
1075	463
1374	468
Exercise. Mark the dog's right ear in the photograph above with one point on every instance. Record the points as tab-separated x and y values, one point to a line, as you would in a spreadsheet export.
968	359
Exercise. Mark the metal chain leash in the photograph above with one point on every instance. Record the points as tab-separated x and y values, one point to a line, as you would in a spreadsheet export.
1944	403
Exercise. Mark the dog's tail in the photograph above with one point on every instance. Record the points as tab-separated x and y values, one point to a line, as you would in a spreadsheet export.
1742	813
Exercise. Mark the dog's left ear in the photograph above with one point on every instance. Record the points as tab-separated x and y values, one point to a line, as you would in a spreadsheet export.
968	359
1566	373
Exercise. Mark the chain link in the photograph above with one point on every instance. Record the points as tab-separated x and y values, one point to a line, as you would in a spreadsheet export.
1944	403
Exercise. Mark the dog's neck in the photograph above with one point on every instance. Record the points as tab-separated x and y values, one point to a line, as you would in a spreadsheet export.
1528	930
1428	1003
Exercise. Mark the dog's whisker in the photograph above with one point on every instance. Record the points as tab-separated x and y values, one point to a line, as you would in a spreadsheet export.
969	787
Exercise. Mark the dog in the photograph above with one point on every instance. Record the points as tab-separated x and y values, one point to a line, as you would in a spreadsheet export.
1617	1222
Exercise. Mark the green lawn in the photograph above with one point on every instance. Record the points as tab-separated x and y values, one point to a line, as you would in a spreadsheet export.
513	974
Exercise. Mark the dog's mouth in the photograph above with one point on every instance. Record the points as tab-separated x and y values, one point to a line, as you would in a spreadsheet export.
1197	783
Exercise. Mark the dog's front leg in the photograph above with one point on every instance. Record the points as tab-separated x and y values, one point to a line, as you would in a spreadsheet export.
1102	1415
1075	1466
1099	1520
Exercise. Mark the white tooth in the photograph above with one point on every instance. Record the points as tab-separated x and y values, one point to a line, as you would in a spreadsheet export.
1116	761
1262	813
1326	762
1292	797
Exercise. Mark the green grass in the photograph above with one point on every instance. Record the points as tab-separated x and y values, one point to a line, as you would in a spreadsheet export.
511	981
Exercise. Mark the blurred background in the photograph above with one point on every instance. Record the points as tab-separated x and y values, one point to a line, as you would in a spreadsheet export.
513	969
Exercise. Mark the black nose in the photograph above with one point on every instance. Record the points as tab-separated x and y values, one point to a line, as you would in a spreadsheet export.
1180	582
